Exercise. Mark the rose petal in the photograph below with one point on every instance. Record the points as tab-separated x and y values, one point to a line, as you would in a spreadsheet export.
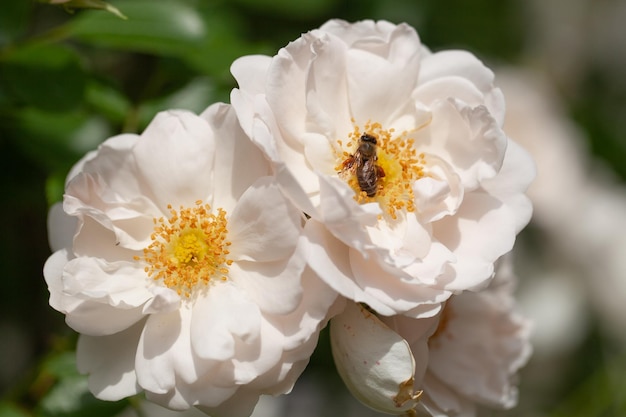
53	274
236	152
175	158
118	284
164	357
110	363
264	226
476	251
456	63
375	363
231	317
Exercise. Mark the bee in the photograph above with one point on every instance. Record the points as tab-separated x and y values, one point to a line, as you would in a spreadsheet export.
363	161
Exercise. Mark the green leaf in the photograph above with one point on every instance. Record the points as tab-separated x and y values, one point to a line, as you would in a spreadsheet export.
93	4
55	187
196	96
70	396
57	140
302	9
45	76
9	410
159	27
223	44
62	365
108	101
13	19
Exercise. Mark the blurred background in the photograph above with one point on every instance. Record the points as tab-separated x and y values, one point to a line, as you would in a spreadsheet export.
70	80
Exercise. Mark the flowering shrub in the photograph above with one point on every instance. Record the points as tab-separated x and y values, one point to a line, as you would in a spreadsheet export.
200	260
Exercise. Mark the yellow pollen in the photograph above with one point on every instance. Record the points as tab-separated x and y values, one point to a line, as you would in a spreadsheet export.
188	249
398	161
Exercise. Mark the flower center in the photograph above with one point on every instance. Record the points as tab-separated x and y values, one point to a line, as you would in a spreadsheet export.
188	249
381	167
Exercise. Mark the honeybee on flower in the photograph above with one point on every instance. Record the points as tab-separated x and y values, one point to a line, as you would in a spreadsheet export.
363	165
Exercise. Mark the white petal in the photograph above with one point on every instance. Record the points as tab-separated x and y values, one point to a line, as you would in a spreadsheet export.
53	274
328	257
110	363
440	193
516	174
382	73
164	357
497	340
164	300
401	242
100	319
105	297
285	86
221	318
264	226
238	405
342	215
174	158
434	269
375	363
273	286
391	292
417	333
119	284
476	251
455	63
319	302
249	71
257	358
441	401
467	138
238	162
123	209
452	86
95	240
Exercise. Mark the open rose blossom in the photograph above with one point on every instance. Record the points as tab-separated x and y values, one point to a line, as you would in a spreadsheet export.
465	356
398	156
178	260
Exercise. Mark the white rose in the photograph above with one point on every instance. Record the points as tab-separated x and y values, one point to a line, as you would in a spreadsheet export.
446	365
178	262
443	197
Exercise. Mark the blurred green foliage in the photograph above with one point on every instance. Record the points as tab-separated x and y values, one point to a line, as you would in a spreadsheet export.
69	81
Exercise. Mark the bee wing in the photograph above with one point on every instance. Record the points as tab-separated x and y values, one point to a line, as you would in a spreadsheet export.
350	164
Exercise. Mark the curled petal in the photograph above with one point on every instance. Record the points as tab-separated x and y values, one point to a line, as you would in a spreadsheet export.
375	363
440	193
118	284
518	171
53	274
451	66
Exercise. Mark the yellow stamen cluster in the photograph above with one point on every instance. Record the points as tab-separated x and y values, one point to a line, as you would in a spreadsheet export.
399	161
188	249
